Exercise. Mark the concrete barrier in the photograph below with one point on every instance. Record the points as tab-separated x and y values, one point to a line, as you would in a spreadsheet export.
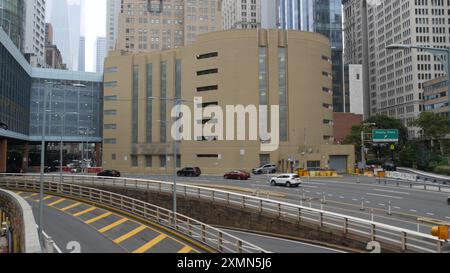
21	221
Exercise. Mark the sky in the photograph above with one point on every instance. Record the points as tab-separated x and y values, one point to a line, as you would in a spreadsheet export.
94	26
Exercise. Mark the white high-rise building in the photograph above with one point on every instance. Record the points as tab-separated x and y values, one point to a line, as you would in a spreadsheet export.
34	28
59	17
100	54
394	78
74	8
112	22
241	14
82	54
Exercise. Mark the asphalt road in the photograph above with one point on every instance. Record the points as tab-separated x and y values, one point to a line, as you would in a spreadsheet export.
346	195
277	245
94	230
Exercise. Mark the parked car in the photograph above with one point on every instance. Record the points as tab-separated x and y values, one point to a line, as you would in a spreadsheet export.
190	171
287	180
109	173
269	168
239	175
51	169
389	166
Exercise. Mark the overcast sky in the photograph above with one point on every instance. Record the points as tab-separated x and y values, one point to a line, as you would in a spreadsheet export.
94	26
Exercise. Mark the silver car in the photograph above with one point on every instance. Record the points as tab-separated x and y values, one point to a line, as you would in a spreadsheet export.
288	180
269	168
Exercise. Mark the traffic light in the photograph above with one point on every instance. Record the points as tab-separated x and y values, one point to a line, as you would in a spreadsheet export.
440	231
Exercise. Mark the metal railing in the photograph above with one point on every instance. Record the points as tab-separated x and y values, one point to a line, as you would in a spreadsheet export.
207	235
389	236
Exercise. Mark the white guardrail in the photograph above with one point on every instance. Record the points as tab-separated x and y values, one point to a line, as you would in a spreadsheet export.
207	235
387	235
414	180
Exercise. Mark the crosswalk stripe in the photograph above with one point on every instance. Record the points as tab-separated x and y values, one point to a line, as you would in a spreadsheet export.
129	234
70	206
150	244
90	221
84	211
185	249
57	202
113	225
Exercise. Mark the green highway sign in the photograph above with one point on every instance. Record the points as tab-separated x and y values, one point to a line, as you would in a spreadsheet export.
385	135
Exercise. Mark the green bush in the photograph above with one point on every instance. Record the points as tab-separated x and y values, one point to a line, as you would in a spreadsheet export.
444	170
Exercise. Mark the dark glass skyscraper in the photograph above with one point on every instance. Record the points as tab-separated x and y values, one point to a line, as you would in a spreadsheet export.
325	17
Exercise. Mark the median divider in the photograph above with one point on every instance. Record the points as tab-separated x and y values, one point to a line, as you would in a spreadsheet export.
242	190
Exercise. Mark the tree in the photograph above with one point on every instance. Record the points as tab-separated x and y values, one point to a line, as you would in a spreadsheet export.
382	122
434	127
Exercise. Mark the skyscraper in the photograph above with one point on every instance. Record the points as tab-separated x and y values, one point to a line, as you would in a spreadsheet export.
34	31
59	17
75	27
112	22
100	54
12	16
324	17
241	14
158	25
394	82
82	54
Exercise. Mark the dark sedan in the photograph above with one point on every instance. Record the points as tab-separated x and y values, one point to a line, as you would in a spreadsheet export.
190	171
238	175
109	173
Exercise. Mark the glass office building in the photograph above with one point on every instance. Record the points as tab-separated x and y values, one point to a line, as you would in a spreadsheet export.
73	105
325	17
12	18
15	82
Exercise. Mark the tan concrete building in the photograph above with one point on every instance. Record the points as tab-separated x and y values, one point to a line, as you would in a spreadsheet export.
436	96
291	69
146	26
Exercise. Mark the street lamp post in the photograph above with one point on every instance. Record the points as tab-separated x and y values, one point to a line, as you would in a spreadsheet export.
437	52
363	148
176	104
41	178
63	126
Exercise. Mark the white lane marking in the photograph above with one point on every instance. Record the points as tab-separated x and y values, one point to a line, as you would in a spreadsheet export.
354	199
308	186
368	202
318	193
396	207
342	197
413	210
330	195
429	213
399	192
379	204
307	191
447	217
381	195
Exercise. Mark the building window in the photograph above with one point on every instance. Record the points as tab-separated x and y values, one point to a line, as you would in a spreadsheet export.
162	161
149	115
110	127
148	161
207	55
313	164
178	78
283	94
134	161
263	76
207	72
113	157
110	112
111	69
135	98
110	98
110	84
264	159
208	156
163	104
207	88
110	141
